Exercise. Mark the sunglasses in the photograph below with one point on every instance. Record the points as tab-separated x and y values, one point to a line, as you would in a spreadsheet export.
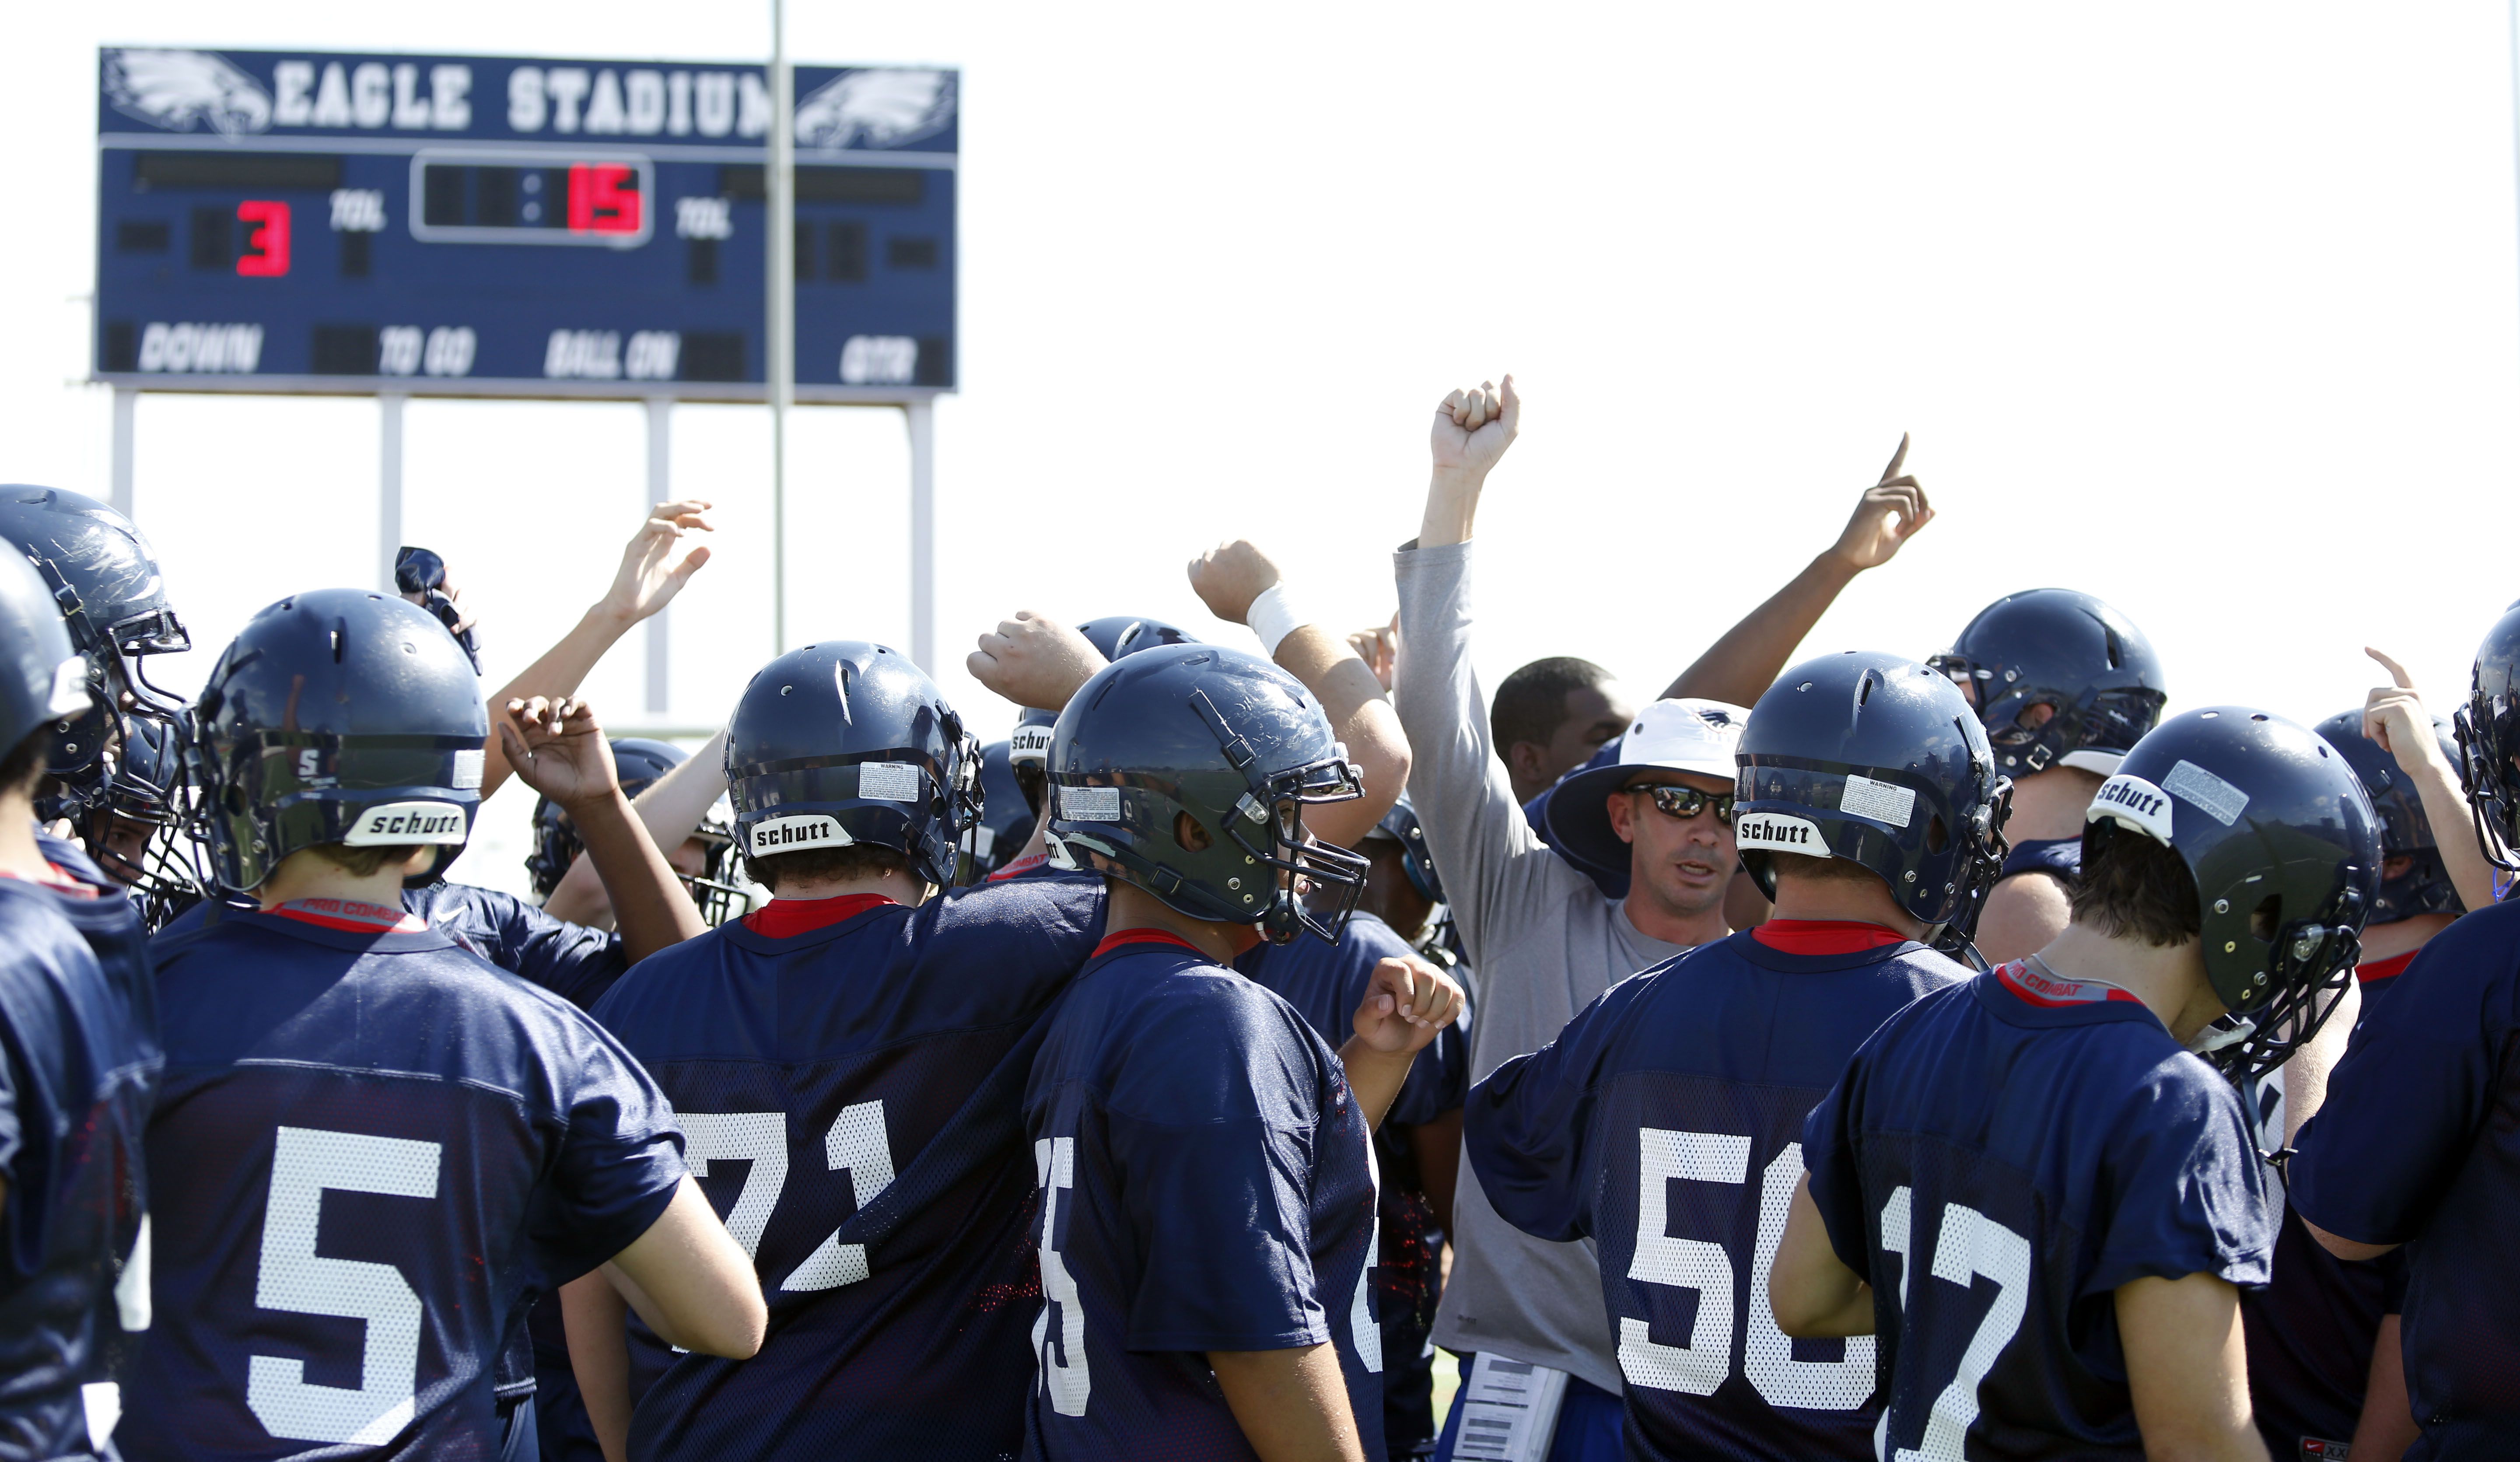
1689	802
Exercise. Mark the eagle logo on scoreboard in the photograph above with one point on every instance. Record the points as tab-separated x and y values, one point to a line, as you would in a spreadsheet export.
876	109
175	89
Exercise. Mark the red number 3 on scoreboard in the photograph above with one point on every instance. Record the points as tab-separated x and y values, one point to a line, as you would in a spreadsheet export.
266	239
597	202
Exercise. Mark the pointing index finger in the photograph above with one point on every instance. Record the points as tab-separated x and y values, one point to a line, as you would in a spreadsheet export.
2397	671
1898	458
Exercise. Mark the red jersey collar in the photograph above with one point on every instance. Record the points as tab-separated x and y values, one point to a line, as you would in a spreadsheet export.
2039	990
2386	969
58	880
1120	936
350	916
786	919
1824	936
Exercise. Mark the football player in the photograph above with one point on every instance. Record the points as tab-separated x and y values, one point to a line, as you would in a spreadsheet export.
114	771
2314	1330
1207	1224
2064	684
2420	1136
373	1147
2025	1188
1869	810
847	1062
78	1066
698	857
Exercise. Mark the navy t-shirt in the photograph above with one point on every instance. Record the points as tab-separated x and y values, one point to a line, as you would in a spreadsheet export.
1996	1162
371	1152
78	1068
1325	983
574	961
2059	858
2419	1144
1208	1187
852	1097
1664	1124
2310	1330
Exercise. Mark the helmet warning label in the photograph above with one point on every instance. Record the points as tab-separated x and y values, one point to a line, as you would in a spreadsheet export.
408	822
804	830
1881	801
1778	834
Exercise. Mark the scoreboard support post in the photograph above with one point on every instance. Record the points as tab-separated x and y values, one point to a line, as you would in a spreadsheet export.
389	485
660	441
126	405
923	533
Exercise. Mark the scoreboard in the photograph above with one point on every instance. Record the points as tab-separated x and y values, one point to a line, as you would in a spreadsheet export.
484	226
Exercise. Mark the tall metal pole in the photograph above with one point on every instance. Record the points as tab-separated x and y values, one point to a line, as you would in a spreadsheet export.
781	178
126	404
923	533
660	441
388	486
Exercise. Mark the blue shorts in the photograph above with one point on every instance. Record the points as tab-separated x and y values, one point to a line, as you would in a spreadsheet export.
1589	1424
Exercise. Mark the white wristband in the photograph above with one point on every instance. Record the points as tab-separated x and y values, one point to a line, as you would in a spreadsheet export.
1274	616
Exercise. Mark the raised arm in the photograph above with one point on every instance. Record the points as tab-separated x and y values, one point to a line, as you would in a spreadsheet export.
1242	586
648	578
2395	717
559	751
671	810
1740	667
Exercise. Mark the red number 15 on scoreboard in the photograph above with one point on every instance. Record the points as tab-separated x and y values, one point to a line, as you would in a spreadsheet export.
602	197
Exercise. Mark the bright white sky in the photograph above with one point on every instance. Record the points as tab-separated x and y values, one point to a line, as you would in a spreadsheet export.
2208	310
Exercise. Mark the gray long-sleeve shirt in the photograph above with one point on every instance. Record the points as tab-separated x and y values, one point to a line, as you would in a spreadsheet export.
1545	944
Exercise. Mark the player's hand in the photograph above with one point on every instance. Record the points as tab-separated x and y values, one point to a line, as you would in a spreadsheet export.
1886	516
1034	661
652	573
558	749
1472	429
2394	716
1406	1003
1379	649
1228	577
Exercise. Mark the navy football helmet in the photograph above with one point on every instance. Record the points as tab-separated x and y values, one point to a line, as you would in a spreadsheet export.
2285	850
639	762
1878	760
2487	735
845	742
1119	635
103	579
340	715
1028	756
1006	820
141	835
2068	652
43	679
2405	831
1230	741
1400	825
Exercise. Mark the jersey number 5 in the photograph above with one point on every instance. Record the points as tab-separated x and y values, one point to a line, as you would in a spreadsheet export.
1970	1244
1767	1354
305	1161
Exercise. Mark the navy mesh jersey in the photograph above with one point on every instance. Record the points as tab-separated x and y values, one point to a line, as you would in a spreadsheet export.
573	961
1325	983
1208	1187
79	1067
2310	1330
853	1099
1665	1125
2419	1144
371	1151
1997	1160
